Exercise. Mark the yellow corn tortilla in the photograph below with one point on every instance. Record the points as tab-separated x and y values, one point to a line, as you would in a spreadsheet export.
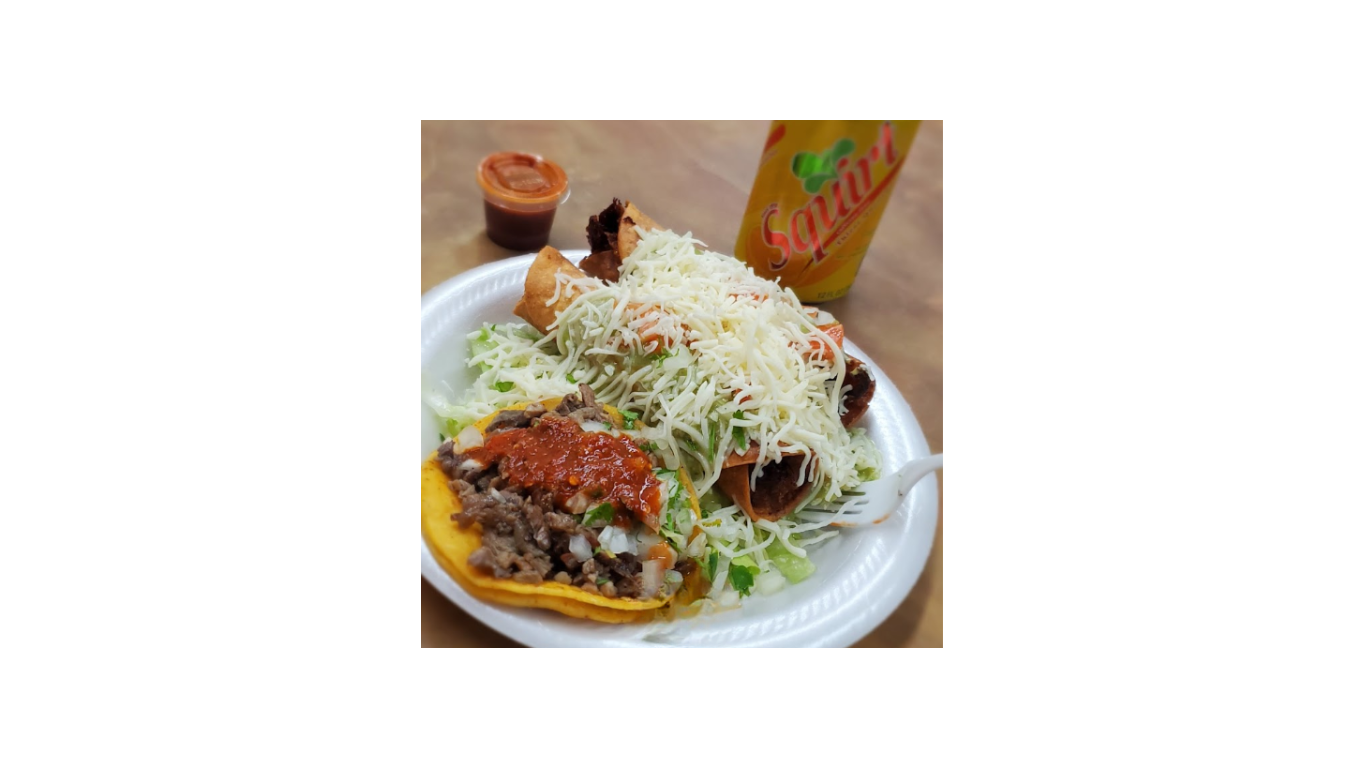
452	547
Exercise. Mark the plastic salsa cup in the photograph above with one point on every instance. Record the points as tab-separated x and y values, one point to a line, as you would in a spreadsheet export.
521	193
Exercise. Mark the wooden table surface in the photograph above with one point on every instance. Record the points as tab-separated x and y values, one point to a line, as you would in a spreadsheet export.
697	176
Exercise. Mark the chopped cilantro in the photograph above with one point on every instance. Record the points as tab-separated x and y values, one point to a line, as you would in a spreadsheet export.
713	560
603	580
503	386
741	579
571	378
629	418
651	447
602	513
737	434
443	437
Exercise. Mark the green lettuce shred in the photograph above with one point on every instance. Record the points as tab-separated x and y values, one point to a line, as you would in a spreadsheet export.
793	568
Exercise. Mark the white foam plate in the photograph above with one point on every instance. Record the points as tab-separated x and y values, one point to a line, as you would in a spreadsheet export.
861	576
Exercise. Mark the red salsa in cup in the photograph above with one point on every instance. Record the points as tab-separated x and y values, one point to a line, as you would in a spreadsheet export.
521	193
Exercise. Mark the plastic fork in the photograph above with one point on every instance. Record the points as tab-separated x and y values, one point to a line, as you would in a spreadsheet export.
873	502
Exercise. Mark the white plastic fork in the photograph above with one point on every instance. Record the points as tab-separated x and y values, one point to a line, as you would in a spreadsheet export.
875	501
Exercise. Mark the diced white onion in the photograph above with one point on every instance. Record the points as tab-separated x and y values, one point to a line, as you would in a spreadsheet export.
697	547
770	582
645	539
471	465
578	545
651	577
673	577
595	426
615	540
469	437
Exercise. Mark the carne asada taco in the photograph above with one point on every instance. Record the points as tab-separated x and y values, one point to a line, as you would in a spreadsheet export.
552	505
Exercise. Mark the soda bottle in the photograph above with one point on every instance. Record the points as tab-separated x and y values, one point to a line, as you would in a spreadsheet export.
817	200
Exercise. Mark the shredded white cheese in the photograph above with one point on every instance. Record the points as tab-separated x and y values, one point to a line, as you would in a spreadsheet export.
701	346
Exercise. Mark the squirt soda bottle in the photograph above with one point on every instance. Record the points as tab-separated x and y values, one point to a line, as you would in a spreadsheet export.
817	199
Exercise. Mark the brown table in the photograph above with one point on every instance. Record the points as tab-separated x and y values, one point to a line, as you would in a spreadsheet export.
697	176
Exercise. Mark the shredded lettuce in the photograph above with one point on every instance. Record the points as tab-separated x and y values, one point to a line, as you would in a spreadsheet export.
483	343
792	567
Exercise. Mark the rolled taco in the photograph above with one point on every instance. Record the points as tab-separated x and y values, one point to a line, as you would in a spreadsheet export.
861	385
550	505
612	237
775	494
781	487
542	278
855	401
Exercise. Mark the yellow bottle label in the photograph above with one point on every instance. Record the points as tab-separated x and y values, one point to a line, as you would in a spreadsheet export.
817	199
